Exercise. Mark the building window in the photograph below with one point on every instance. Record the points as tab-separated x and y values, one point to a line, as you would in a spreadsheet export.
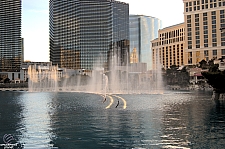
197	41
189	57
213	17
214	52
214	44
206	53
223	51
211	5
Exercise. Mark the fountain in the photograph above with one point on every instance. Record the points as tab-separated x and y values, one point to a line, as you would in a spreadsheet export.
129	79
43	79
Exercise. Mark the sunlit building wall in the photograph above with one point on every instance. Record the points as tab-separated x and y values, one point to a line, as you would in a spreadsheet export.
168	48
143	29
93	29
11	53
133	56
203	21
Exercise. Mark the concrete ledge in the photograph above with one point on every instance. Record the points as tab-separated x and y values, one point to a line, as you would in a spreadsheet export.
13	89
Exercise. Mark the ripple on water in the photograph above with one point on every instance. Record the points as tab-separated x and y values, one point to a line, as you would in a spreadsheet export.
79	120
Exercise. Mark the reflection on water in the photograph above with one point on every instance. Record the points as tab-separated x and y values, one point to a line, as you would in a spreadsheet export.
81	120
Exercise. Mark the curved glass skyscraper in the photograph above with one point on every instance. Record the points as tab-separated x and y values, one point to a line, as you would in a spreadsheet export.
84	32
11	53
143	29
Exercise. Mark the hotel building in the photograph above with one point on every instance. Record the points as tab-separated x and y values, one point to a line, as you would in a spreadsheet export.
11	46
143	29
204	39
168	48
84	32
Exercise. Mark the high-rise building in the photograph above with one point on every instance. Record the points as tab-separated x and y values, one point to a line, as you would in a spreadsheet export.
168	48
11	53
88	33
143	29
204	21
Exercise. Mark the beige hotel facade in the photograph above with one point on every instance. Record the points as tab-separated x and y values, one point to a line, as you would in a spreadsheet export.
204	36
168	48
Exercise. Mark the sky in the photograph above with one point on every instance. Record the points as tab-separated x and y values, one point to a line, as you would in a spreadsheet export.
35	18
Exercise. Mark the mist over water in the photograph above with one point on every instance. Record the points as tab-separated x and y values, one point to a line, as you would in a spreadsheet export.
120	79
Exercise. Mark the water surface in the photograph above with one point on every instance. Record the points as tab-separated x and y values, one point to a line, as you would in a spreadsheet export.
70	120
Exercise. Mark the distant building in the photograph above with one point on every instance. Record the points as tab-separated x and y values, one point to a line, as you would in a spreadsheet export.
168	48
11	52
133	56
87	33
143	29
204	22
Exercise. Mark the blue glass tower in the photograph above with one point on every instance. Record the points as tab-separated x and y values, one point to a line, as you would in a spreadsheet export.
143	29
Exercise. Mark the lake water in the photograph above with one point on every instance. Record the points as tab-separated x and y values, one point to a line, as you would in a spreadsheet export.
70	120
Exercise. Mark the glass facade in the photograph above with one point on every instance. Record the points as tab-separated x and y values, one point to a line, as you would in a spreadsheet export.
87	33
143	29
11	53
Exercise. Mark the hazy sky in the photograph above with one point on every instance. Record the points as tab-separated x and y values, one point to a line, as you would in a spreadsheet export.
35	22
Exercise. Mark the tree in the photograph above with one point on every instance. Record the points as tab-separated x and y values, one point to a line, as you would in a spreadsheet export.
7	80
203	64
215	78
174	76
